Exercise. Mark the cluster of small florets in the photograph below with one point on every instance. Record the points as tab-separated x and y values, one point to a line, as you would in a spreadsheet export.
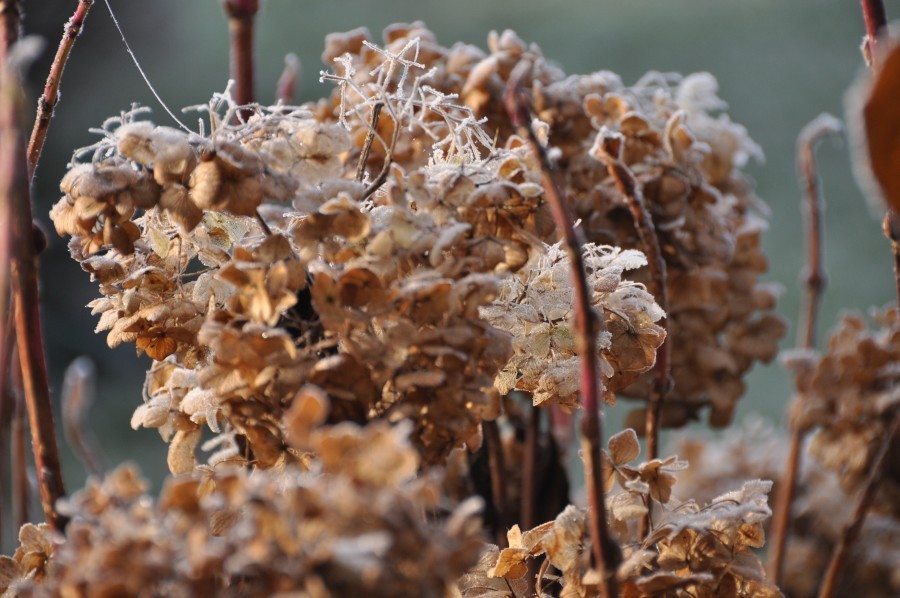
849	397
349	525
819	513
690	550
683	152
303	278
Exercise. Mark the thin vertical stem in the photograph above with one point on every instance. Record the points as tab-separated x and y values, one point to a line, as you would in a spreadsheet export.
528	508
891	225
10	22
26	303
21	495
286	88
50	97
605	551
875	19
851	532
609	152
815	280
494	448
241	15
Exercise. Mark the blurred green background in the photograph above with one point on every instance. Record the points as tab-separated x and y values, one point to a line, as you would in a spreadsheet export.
779	64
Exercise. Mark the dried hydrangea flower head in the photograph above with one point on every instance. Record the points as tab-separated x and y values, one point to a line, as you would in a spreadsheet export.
690	550
353	525
819	513
849	396
684	152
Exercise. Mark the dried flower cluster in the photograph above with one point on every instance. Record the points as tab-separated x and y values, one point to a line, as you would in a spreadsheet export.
686	158
352	525
337	297
850	396
691	550
819	511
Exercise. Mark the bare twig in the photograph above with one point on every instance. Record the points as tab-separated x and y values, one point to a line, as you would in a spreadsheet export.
241	15
48	100
605	551
609	151
494	449
528	515
528	506
386	168
851	532
21	495
286	88
876	22
77	397
891	225
370	138
815	280
26	302
10	22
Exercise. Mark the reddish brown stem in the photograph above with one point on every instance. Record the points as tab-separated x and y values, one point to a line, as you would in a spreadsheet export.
10	22
77	397
891	225
815	280
21	495
286	88
50	97
241	15
528	515
875	19
26	303
610	150
605	551
494	447
851	532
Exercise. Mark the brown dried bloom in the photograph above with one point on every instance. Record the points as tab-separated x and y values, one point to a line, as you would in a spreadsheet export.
691	551
535	307
819	512
849	395
352	526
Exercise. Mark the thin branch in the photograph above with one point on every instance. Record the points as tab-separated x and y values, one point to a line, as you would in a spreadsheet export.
26	303
876	23
891	226
606	552
50	97
815	280
851	532
78	394
241	15
815	277
10	22
609	147
386	168
370	138
528	502
21	495
494	448
528	515
286	89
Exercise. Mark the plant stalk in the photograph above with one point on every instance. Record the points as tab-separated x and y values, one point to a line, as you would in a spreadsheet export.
286	88
815	281
605	551
10	22
50	97
241	16
494	448
851	532
26	302
643	223
875	19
